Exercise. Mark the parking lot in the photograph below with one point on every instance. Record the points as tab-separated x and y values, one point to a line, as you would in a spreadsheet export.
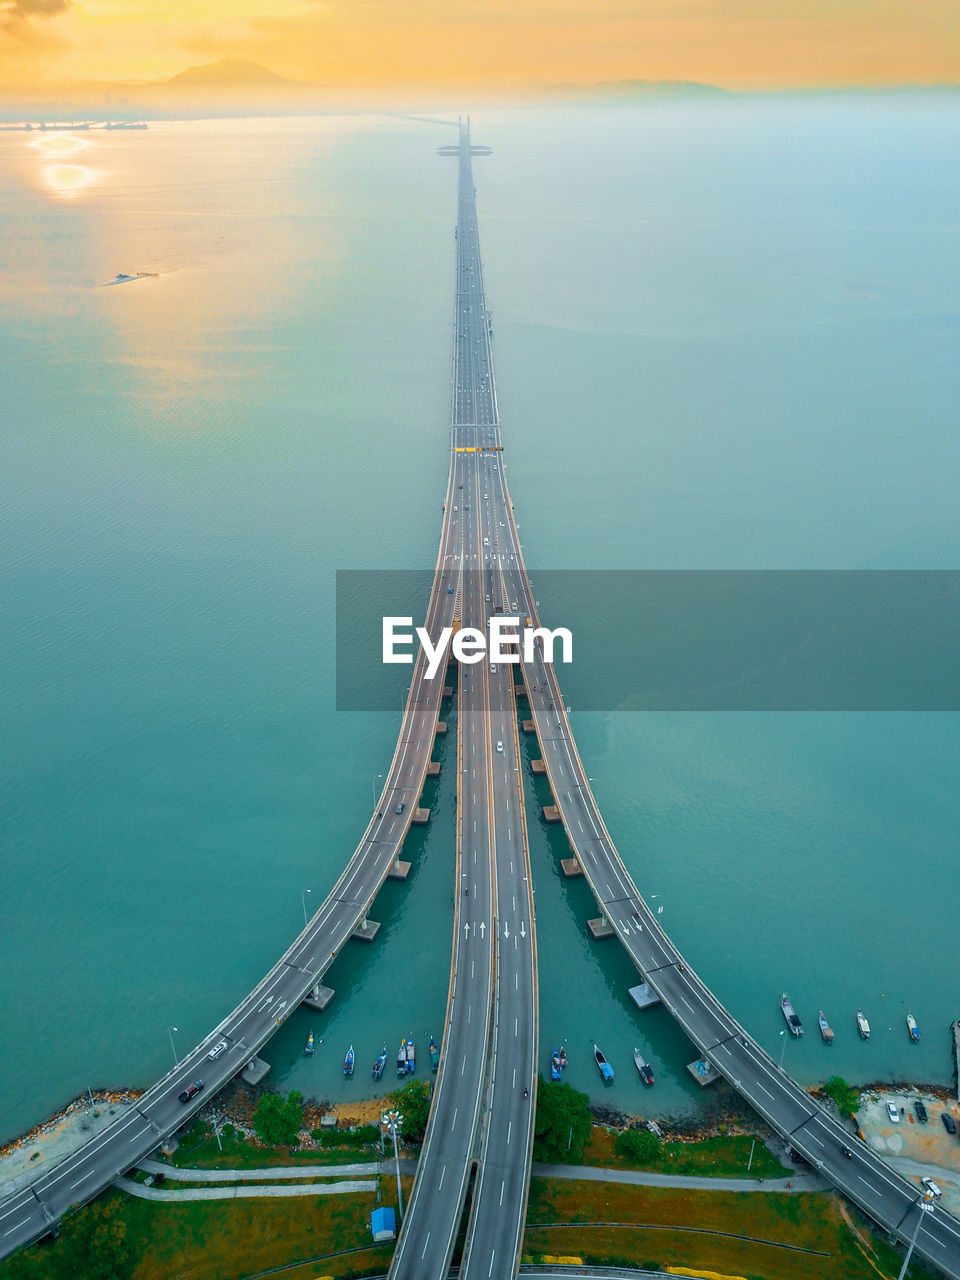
916	1149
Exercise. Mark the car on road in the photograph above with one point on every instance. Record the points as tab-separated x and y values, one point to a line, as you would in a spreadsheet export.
948	1122
500	746
920	1111
191	1091
216	1051
928	1184
893	1112
398	807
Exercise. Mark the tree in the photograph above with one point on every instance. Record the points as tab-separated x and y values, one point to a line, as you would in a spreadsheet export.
640	1145
562	1126
413	1103
93	1244
846	1096
277	1120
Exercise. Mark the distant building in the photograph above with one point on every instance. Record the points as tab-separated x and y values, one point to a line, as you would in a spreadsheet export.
383	1224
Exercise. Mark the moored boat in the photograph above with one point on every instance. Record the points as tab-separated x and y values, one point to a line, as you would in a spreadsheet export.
794	1024
603	1066
402	1058
643	1066
411	1060
434	1051
826	1031
563	1058
556	1071
381	1062
863	1026
308	1047
912	1029
348	1062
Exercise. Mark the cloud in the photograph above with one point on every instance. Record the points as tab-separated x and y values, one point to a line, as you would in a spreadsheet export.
21	10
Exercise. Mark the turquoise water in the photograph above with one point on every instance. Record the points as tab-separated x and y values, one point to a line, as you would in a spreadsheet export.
725	337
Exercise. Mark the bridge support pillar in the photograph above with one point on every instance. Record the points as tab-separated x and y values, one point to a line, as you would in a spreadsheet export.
551	813
255	1070
399	871
366	930
571	867
601	927
319	997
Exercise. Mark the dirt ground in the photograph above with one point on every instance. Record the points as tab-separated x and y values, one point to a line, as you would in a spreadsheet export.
350	1114
915	1149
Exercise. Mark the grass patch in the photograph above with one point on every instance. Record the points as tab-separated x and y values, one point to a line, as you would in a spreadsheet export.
726	1232
198	1152
722	1157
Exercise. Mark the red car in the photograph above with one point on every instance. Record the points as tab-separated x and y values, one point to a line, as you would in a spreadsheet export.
191	1091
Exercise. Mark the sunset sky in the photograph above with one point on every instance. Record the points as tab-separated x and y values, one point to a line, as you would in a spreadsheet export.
486	43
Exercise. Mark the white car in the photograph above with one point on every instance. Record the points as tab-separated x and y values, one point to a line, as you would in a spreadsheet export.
893	1112
217	1049
500	746
929	1185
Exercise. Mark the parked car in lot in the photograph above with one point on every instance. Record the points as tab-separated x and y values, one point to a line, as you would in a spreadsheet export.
948	1122
920	1111
928	1184
893	1112
191	1091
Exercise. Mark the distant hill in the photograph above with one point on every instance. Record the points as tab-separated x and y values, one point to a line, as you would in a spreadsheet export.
228	74
639	89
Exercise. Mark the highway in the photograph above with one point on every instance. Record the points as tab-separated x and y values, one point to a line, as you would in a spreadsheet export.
480	1110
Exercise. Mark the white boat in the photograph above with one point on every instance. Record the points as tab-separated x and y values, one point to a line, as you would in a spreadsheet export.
863	1026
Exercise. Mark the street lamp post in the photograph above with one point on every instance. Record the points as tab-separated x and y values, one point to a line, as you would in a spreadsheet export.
391	1119
303	903
783	1047
925	1207
170	1031
373	786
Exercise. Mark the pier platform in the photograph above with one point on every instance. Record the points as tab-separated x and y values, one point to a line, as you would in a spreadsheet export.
255	1070
538	767
643	996
551	813
319	997
571	867
441	727
705	1073
399	871
433	769
421	816
528	726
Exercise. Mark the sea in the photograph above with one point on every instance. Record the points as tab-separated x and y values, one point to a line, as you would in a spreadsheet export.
725	337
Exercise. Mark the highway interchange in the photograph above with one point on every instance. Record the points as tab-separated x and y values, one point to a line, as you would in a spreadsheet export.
480	1111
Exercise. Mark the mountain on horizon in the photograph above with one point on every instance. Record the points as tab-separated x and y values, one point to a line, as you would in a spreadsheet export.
228	73
640	88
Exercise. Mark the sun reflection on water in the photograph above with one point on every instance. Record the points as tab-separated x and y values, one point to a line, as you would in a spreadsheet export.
65	180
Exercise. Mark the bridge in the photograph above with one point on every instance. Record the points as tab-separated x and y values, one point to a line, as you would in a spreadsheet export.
480	1117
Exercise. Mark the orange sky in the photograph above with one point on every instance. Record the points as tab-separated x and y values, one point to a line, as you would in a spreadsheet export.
495	43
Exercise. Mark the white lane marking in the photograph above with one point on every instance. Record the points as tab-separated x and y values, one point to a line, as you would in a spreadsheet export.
766	1091
509	1132
490	1270
443	1174
456	1112
26	1220
425	1243
83	1179
876	1190
502	1187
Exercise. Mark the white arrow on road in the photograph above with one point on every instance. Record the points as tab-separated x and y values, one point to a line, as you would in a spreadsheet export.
523	929
483	929
506	930
466	930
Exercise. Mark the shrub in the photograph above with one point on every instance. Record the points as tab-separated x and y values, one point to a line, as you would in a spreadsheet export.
638	1144
277	1120
562	1127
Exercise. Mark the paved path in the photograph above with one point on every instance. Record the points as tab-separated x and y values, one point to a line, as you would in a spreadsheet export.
644	1178
280	1173
244	1193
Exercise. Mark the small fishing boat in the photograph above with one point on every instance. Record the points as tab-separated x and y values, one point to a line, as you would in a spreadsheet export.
643	1066
556	1071
377	1069
402	1058
826	1031
790	1016
434	1050
308	1047
411	1060
912	1029
863	1026
348	1062
563	1058
603	1066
